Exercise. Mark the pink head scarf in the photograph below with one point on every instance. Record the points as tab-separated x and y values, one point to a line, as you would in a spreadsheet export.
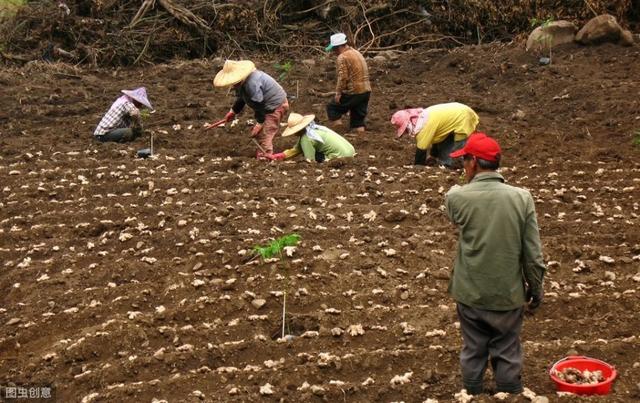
402	118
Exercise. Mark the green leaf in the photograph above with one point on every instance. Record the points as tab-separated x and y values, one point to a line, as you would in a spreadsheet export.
275	247
636	139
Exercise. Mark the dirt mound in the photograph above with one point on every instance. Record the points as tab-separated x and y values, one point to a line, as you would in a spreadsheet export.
118	32
127	280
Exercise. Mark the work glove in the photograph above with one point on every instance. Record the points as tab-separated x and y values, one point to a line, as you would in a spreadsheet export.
256	129
229	116
534	300
277	157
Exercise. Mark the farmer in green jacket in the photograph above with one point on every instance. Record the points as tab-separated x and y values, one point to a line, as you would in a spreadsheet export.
317	143
498	270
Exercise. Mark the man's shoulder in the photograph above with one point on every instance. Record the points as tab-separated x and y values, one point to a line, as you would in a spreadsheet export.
350	54
492	184
516	189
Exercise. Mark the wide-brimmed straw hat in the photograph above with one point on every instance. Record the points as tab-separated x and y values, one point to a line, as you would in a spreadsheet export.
140	95
297	122
233	72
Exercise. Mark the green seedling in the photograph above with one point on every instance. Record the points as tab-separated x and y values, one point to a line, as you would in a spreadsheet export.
145	114
275	249
283	69
541	22
636	139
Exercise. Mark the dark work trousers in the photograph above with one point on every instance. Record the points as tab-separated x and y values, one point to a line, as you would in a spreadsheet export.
120	135
442	150
356	105
491	336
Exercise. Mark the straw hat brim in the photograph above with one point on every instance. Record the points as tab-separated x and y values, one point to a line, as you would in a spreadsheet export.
306	119
240	71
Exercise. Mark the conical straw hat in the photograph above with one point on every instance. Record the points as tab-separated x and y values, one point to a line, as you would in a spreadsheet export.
297	122
140	95
233	72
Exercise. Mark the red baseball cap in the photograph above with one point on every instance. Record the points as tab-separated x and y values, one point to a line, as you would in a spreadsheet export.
481	146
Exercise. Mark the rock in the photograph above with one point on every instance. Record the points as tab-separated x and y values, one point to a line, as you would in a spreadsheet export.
258	303
550	35
544	61
13	321
266	389
626	38
318	390
379	59
518	115
395	216
159	355
603	28
540	399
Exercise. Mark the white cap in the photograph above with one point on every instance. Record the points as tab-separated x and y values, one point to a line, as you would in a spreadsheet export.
336	40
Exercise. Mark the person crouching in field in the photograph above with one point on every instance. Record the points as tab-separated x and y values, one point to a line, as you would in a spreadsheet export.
123	122
317	143
262	93
439	130
499	269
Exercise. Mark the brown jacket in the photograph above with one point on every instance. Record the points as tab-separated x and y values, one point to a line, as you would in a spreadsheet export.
353	73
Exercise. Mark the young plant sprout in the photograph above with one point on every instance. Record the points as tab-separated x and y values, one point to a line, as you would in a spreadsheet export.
284	69
145	114
275	249
636	138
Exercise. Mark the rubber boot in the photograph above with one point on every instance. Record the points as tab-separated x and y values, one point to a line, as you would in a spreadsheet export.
473	387
513	387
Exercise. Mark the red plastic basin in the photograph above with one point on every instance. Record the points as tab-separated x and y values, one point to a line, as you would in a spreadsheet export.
584	363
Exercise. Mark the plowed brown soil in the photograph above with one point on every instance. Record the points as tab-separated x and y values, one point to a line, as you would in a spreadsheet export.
127	280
